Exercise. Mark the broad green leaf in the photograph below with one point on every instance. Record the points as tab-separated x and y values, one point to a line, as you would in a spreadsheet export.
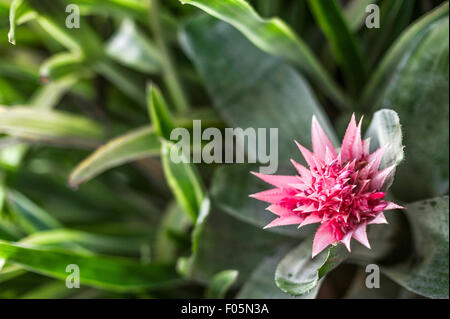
251	89
28	215
159	112
53	127
418	92
102	272
133	49
343	45
274	37
427	271
401	49
183	179
216	248
229	191
261	283
385	130
220	284
298	274
138	144
62	65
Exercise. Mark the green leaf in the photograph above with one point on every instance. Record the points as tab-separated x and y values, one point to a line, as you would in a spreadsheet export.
216	248
183	179
102	272
402	48
103	244
229	191
18	10
134	9
385	130
343	45
53	127
159	112
418	92
220	284
274	37
298	274
427	271
252	89
395	15
133	49
28	215
62	65
52	18
261	283
138	144
174	221
355	13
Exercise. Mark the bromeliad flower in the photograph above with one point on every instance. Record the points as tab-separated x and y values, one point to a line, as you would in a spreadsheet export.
344	192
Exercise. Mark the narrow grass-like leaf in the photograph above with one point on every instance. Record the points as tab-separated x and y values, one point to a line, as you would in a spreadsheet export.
18	10
274	37
183	179
138	144
220	284
53	127
101	272
159	112
355	13
133	49
28	215
62	65
343	45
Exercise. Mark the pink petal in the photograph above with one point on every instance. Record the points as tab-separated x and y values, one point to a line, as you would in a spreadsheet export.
281	181
320	141
271	196
391	206
352	135
283	221
366	146
303	171
346	240
379	219
280	210
311	219
360	234
375	159
380	177
307	155
324	237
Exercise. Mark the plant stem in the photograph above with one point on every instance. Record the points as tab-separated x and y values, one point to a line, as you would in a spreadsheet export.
169	74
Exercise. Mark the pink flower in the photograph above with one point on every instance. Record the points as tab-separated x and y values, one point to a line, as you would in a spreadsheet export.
343	192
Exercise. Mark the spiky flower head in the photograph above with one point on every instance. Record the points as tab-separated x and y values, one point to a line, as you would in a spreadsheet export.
344	191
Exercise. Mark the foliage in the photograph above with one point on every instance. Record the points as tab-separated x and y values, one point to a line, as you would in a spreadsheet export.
86	178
